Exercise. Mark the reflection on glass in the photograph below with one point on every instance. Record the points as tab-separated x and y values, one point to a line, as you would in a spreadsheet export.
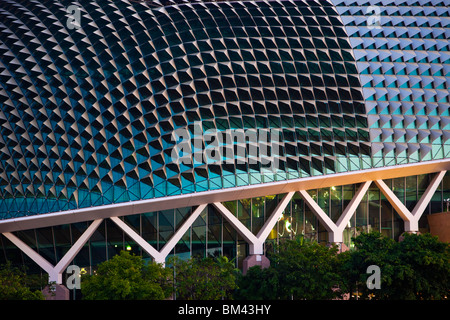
411	192
199	235
361	214
97	244
115	239
386	217
244	211
214	232
374	208
258	214
166	223
336	203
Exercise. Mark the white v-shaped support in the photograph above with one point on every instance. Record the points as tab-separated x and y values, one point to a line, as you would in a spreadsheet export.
411	218
55	272
256	243
335	230
160	256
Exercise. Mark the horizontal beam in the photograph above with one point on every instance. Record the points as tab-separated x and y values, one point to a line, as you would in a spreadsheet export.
228	194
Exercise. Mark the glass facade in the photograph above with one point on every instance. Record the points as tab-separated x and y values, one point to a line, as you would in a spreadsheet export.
211	234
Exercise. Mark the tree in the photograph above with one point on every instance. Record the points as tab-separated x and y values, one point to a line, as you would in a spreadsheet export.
127	276
370	249
15	285
306	270
299	269
204	278
257	284
415	268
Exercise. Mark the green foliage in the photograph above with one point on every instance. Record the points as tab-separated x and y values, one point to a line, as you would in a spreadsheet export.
15	285
127	277
306	270
204	278
299	269
415	268
257	284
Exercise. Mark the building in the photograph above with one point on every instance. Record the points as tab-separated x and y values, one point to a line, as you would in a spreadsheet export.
115	117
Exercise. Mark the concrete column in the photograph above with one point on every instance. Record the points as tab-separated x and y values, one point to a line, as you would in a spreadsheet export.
255	260
56	292
342	247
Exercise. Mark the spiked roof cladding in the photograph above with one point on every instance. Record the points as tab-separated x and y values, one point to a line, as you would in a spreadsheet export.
87	114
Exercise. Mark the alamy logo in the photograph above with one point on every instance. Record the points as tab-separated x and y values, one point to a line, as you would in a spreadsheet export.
373	281
253	146
74	280
374	21
74	19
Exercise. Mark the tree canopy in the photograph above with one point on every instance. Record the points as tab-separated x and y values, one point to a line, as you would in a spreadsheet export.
204	278
127	277
415	268
15	284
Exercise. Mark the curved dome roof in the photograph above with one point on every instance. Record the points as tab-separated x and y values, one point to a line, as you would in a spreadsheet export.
91	96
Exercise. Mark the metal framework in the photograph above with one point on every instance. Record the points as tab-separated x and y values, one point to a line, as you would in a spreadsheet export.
256	242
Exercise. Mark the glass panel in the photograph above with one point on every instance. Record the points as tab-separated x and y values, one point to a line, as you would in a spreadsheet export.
437	201
322	234
166	223
258	214
350	230
183	247
45	244
399	225
149	230
242	252
82	258
374	208
12	253
361	215
98	245
386	217
284	224
199	235
324	200
422	184
229	243
446	191
336	201
214	232
310	224
411	192
398	187
243	212
297	213
131	246
62	240
114	238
